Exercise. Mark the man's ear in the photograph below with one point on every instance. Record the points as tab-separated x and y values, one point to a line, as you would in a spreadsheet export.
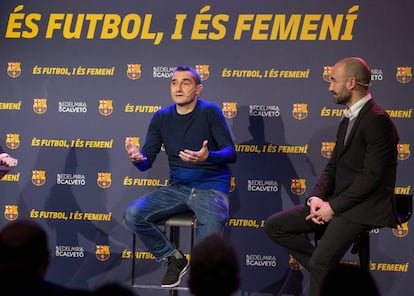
352	83
199	89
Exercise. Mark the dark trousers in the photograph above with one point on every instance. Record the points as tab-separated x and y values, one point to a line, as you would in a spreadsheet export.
288	229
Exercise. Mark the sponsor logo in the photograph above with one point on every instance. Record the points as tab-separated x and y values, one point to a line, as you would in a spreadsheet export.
264	111
73	107
376	75
69	251
261	260
262	185
162	72
70	179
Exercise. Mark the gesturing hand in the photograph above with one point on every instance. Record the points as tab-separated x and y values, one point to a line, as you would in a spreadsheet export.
195	156
7	160
133	153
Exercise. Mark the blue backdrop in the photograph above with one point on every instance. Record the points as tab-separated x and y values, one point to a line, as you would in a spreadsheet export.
78	78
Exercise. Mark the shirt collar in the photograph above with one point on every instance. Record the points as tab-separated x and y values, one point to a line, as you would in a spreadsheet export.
352	112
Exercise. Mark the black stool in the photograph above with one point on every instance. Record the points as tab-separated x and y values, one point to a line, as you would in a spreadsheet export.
404	205
174	222
361	246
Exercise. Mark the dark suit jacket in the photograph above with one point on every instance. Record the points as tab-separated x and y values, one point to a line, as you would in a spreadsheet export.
359	178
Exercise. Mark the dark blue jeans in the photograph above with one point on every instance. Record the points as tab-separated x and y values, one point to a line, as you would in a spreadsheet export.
210	206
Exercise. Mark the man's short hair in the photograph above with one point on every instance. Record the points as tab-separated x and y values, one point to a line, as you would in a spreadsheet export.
214	267
195	73
23	243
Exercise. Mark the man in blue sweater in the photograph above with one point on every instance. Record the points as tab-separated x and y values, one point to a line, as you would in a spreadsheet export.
199	147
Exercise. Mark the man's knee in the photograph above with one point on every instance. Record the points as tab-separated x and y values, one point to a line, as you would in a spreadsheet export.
319	264
271	228
127	215
131	215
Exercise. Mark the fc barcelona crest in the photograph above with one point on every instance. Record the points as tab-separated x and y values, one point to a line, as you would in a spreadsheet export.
326	73
132	140
229	109
300	111
404	74
294	264
38	178
102	252
12	141
203	71
403	151
401	230
232	184
39	105
327	149
14	69
104	180
298	186
105	107
11	212
134	71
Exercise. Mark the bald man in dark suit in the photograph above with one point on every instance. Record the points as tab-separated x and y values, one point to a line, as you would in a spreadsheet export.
355	192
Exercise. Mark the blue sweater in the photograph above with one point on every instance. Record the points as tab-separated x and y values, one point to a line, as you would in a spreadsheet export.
178	132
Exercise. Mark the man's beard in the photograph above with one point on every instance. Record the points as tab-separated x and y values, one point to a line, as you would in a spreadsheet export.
343	97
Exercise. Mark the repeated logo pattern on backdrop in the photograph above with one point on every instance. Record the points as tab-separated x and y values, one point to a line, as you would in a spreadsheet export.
79	82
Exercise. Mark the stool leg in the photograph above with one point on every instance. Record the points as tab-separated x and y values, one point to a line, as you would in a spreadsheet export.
175	239
364	250
192	239
133	260
175	236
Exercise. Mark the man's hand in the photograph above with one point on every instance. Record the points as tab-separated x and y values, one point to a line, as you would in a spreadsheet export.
315	205
7	160
326	213
133	152
320	211
195	156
